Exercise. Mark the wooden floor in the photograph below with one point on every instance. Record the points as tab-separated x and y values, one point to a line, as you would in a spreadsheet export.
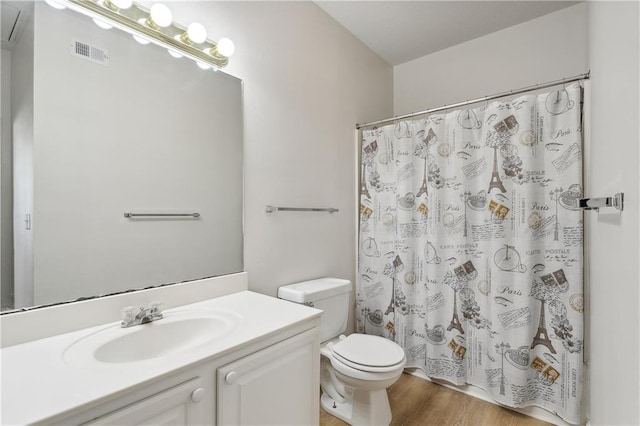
415	401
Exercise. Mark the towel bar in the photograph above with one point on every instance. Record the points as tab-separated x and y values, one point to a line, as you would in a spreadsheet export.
272	209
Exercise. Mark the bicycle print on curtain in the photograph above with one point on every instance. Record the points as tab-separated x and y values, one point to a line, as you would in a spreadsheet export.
471	247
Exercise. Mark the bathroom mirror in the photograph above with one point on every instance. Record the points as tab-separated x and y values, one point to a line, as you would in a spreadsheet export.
102	129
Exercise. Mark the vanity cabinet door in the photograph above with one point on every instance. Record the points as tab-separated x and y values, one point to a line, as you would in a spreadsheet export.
176	406
278	385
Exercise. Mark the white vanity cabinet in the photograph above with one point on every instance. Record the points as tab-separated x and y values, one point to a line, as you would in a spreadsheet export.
180	405
274	381
275	386
182	398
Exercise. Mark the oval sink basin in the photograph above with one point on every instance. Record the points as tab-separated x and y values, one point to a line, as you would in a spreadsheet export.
177	332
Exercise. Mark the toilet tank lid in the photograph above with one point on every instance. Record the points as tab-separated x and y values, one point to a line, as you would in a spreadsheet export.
309	291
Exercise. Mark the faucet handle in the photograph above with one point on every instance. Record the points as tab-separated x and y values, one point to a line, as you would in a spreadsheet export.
156	309
127	314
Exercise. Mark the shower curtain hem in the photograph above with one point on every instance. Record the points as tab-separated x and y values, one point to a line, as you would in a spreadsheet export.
445	379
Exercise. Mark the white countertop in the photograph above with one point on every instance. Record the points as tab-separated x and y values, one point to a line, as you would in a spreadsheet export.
38	384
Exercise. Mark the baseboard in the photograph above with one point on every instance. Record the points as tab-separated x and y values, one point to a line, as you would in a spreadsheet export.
535	412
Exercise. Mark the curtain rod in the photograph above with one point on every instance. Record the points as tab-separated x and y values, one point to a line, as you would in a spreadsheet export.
483	99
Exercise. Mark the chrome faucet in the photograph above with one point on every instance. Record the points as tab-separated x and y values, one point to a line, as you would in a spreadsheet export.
143	316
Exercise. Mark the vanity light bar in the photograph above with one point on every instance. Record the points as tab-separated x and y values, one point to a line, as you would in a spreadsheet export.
134	20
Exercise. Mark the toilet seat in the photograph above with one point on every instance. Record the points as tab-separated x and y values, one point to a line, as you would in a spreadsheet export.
369	353
356	373
366	368
367	357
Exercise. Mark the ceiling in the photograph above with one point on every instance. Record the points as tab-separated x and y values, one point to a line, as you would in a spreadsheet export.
399	31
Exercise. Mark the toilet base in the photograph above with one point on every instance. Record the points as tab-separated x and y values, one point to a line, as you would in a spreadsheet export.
366	408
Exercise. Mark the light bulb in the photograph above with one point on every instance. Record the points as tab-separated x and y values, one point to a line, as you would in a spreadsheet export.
225	47
161	15
140	39
55	4
196	32
175	53
202	65
102	24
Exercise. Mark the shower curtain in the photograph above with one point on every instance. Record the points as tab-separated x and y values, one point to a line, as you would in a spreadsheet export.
470	249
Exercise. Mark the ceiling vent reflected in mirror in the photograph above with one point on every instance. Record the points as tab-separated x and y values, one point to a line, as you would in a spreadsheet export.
89	52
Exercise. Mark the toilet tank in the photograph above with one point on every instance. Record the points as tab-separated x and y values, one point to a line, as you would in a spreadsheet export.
329	294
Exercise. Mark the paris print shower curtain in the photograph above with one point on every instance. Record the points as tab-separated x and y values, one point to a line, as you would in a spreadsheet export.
470	249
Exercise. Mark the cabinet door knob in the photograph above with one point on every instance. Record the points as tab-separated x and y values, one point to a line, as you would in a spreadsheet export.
231	377
197	395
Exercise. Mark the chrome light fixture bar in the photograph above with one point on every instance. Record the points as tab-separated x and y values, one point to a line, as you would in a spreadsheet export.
137	21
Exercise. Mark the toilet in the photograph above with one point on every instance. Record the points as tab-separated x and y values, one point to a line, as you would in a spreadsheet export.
355	370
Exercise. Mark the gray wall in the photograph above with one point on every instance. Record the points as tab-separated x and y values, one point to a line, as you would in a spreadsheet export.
613	250
307	83
22	63
6	190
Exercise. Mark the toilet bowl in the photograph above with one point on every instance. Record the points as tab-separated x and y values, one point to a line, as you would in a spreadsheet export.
360	369
355	370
